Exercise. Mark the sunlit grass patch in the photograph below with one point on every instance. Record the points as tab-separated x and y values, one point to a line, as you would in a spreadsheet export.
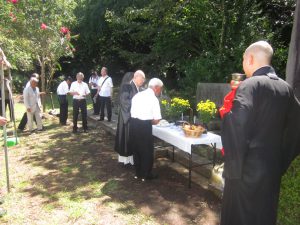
111	186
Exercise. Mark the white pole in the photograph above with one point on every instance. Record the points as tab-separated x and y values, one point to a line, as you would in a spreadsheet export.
12	105
4	127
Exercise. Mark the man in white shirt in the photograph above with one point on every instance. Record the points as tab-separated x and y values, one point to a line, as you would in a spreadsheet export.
145	111
62	91
105	91
80	91
32	102
23	121
93	83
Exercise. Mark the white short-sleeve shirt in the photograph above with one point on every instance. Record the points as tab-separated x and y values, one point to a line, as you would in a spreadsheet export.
145	106
63	88
105	86
94	80
82	88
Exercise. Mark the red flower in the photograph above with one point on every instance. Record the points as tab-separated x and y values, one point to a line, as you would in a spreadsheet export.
64	30
43	26
13	1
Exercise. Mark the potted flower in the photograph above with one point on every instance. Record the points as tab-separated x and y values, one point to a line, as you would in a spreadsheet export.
174	108
207	111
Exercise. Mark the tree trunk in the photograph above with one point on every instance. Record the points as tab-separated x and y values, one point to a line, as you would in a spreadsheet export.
43	80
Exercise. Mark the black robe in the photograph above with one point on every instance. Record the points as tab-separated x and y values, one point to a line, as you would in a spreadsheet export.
256	136
127	91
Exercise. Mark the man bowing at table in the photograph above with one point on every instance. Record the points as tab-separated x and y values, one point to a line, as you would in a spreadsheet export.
145	111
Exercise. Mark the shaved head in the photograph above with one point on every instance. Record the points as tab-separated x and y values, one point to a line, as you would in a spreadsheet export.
257	55
261	50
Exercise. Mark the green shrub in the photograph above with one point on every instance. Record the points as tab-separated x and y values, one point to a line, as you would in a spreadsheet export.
19	82
289	200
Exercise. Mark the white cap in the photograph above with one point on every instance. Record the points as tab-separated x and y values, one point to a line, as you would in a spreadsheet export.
34	79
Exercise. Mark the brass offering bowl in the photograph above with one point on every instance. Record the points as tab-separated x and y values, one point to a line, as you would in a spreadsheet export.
238	76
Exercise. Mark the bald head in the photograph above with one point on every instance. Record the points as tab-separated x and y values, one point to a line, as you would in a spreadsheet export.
257	55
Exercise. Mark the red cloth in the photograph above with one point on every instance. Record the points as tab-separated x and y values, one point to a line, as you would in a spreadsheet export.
228	101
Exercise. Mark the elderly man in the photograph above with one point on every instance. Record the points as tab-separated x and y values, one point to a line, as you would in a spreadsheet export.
145	111
32	102
254	135
80	90
24	119
62	92
105	91
127	90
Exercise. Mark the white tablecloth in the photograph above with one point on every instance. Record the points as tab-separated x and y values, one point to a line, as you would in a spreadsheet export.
175	136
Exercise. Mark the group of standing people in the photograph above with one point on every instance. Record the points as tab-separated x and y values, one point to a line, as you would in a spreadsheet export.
101	92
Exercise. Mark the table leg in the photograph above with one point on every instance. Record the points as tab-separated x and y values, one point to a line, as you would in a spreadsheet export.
190	167
215	154
173	153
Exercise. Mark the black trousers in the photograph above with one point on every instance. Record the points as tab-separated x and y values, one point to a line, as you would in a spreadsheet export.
63	109
79	104
7	103
96	105
23	122
141	142
105	101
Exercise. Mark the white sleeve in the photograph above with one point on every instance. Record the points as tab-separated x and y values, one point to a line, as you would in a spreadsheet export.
66	88
72	88
27	84
156	110
26	97
110	83
57	90
87	90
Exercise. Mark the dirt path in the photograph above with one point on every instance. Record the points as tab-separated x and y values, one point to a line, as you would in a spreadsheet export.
61	178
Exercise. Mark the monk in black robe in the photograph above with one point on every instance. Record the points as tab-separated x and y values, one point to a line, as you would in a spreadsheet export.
131	83
261	137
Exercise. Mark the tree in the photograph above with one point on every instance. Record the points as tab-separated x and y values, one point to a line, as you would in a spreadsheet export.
39	30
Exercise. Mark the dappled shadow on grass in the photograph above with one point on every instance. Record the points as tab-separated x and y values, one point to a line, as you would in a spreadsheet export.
84	166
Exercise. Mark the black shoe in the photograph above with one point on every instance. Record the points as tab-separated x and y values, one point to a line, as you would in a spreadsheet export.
100	119
74	131
108	120
85	131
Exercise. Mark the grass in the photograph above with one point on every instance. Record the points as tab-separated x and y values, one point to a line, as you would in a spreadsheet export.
289	203
56	180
